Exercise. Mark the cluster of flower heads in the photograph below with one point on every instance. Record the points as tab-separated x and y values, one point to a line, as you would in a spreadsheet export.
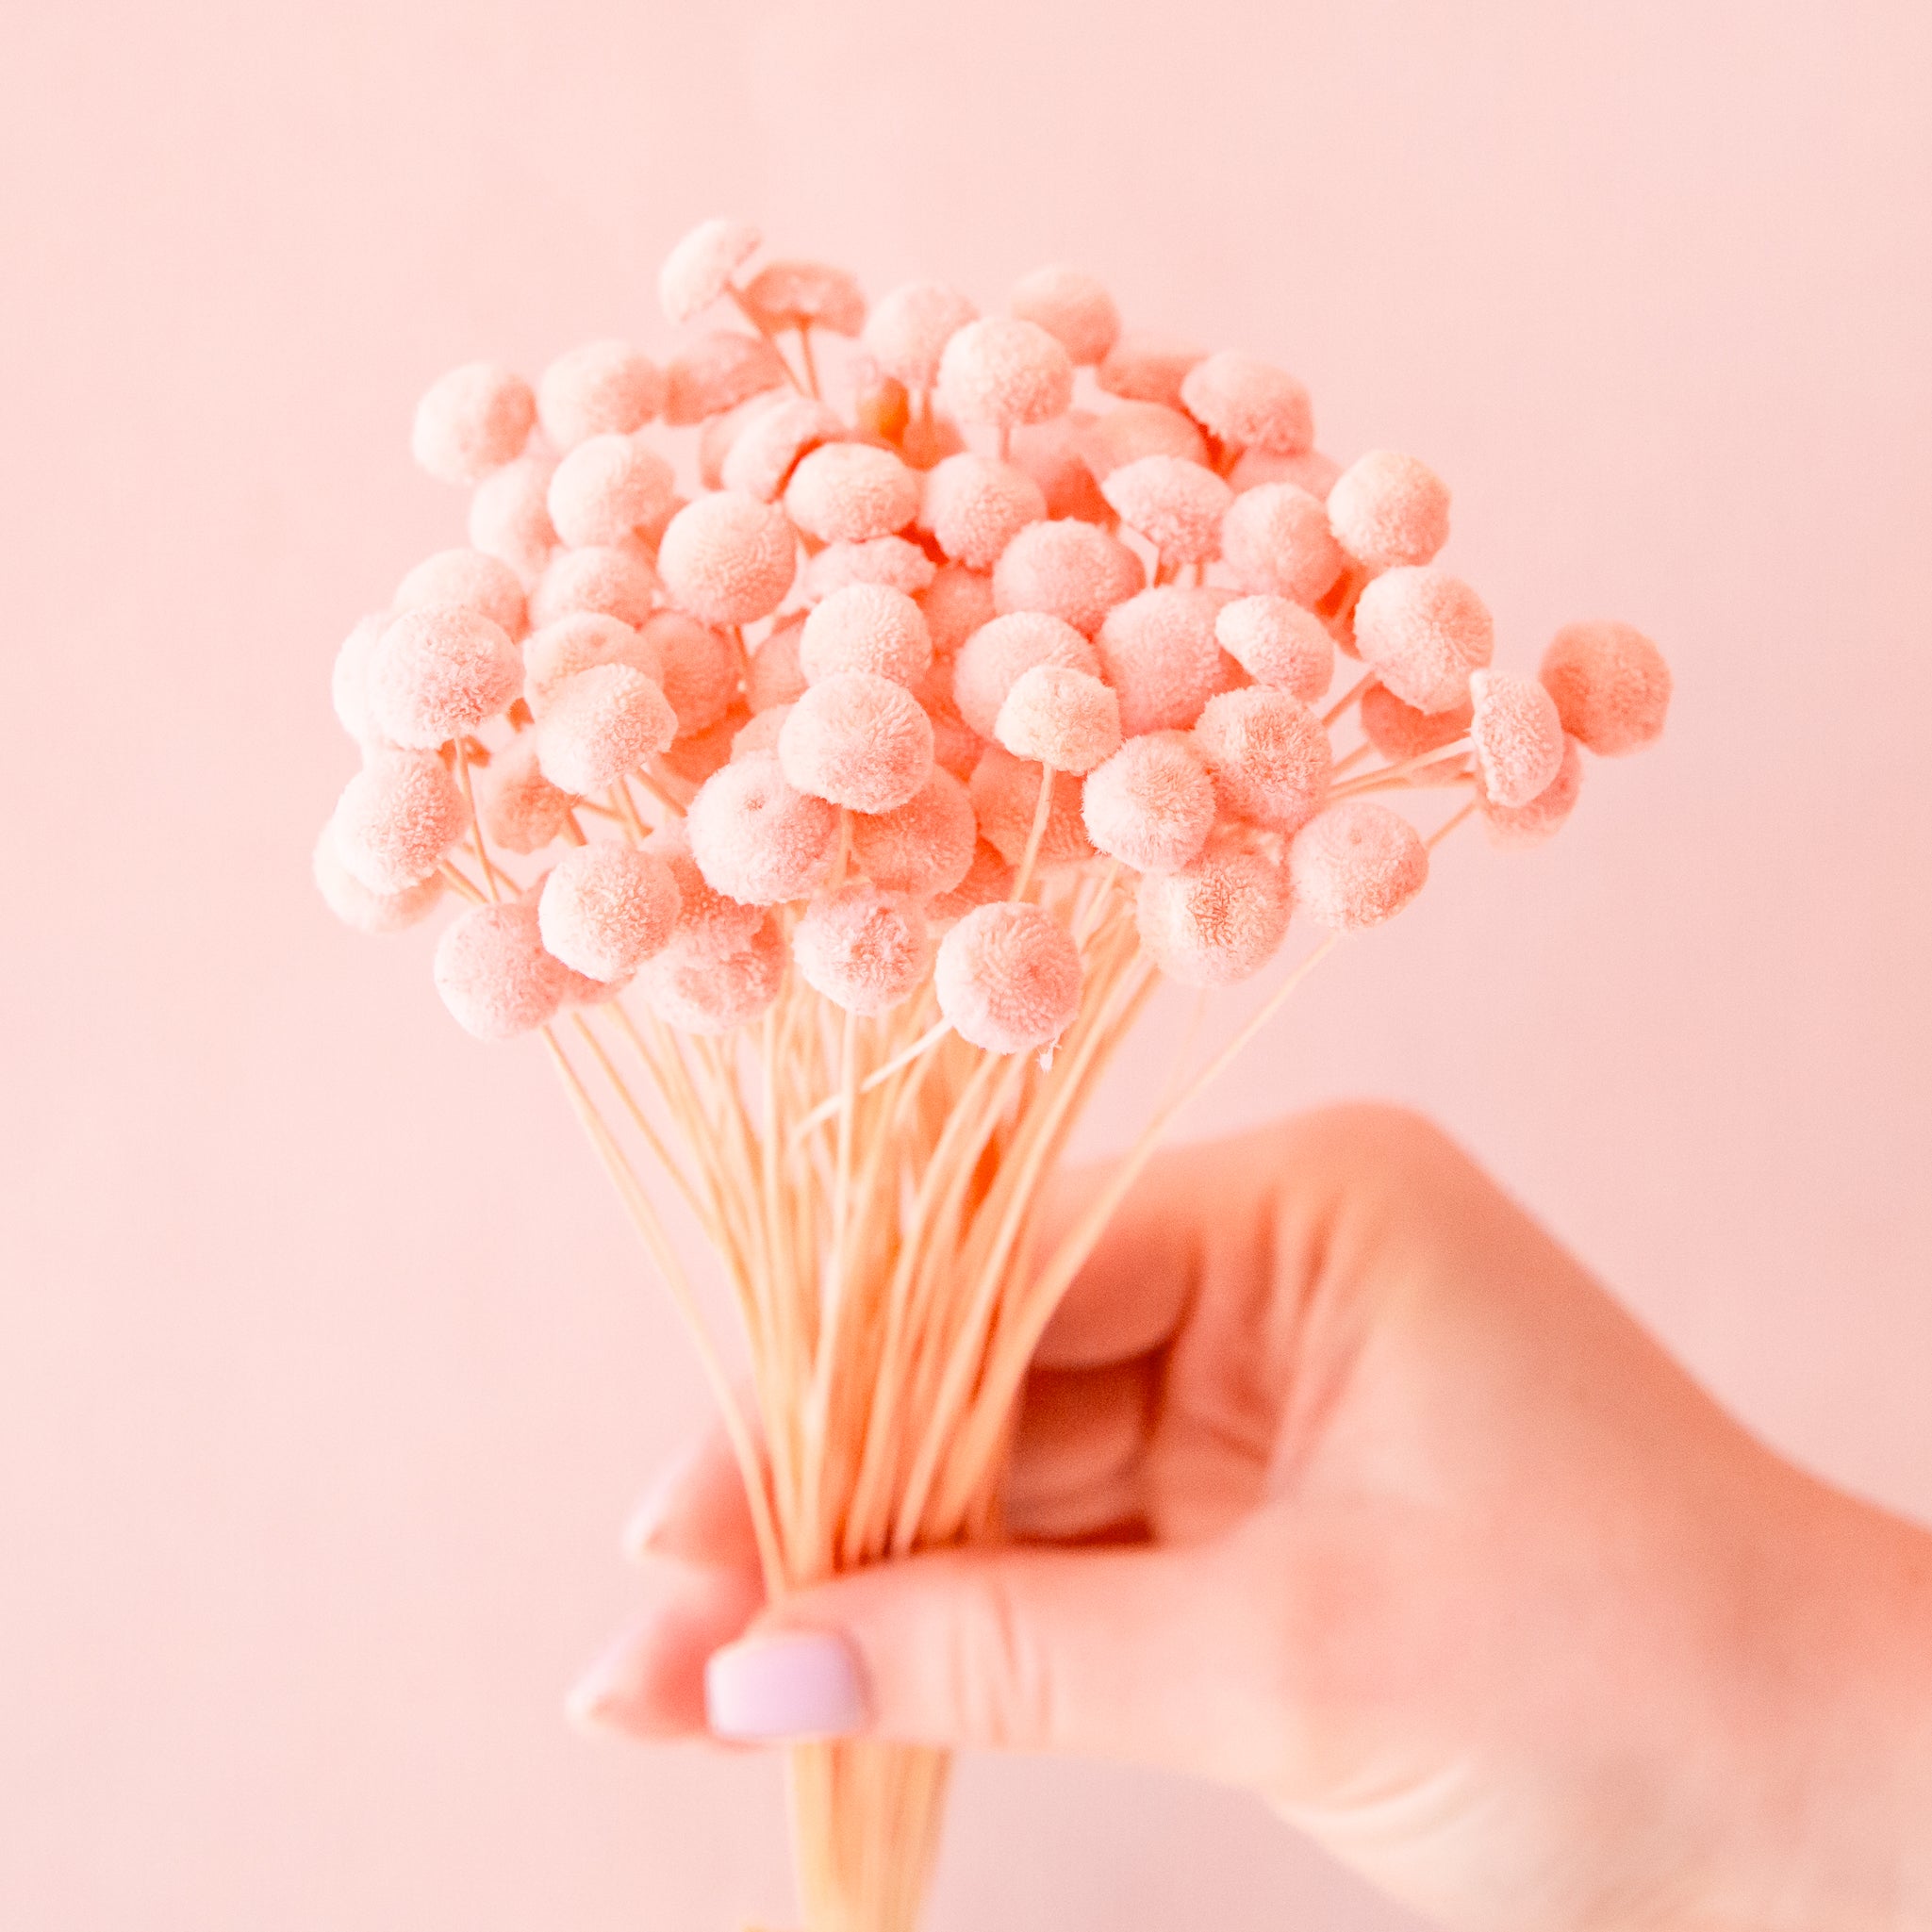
1049	595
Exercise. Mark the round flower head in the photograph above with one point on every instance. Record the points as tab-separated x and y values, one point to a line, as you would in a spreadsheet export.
1247	404
699	993
865	627
470	578
975	506
1072	307
1216	922
758	838
922	846
608	488
1001	370
956	604
1148	368
356	906
509	516
1176	505
1513	828
864	949
769	446
807	294
759	733
727	559
1061	718
493	973
991	660
1160	654
1388	509
1356	865
716	373
857	741
702	669
1151	805
1069	571
600	724
615	581
349	679
607	908
718	437
1307	470
1278	644
988	879
1269	755
1612	685
1423	632
710	923
1052	454
1517	735
1276	538
890	561
1399	732
1005	793
522	810
1132	431
470	421
699	270
1008	978
696	756
601	389
439	672
908	330
774	676
574	643
846	492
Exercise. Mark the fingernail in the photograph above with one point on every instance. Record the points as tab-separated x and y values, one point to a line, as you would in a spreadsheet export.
791	1684
646	1520
598	1699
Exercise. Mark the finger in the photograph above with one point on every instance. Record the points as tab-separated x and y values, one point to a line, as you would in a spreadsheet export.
1154	1656
695	1508
1079	1451
650	1682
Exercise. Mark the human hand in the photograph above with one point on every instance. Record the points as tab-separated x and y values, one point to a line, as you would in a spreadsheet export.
1338	1480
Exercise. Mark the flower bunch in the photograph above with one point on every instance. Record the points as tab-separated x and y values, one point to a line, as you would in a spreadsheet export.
834	782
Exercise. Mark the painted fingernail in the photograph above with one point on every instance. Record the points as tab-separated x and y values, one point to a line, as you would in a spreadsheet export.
648	1519
790	1684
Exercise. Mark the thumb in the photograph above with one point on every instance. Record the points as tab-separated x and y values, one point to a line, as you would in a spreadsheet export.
1163	1657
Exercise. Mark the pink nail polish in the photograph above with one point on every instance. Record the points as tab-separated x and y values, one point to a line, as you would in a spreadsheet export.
648	1518
598	1698
789	1684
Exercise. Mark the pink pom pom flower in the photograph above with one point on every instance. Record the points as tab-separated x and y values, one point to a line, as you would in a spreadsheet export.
857	741
1515	828
847	492
1400	732
1008	978
699	270
716	373
1387	509
509	516
1072	307
494	974
865	627
768	446
757	837
1001	370
1356	865
1151	805
522	810
1517	735
600	724
601	389
1276	539
1068	569
710	923
614	581
1213	922
1061	718
473	420
908	328
864	949
727	559
439	672
805	295
608	488
352	902
703	993
975	506
607	908
1610	683
890	561
1160	653
467	577
922	846
1278	644
956	604
774	676
992	660
1148	368
702	669
1005	793
1423	632
1269	755
574	643
1176	505
1130	431
1245	404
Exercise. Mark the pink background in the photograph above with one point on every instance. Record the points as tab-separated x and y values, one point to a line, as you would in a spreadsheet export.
327	1367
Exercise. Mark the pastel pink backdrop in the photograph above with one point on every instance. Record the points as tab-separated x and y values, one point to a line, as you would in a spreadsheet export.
328	1366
